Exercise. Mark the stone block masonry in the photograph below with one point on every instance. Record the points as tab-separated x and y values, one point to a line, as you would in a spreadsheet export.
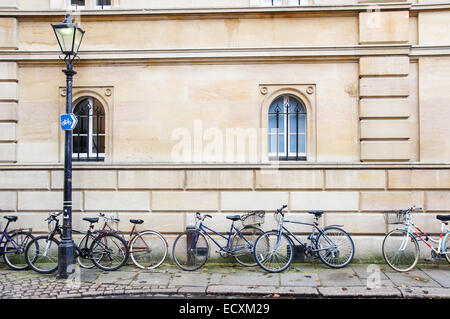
357	189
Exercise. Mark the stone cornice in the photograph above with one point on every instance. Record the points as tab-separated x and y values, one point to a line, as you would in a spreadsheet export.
221	55
429	50
218	54
274	166
431	6
239	11
207	12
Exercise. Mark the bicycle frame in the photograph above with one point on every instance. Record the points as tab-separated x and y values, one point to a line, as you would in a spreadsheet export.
57	231
8	239
417	233
311	237
133	234
6	236
204	229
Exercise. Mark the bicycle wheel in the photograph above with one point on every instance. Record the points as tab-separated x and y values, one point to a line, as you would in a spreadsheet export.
400	250
41	254
148	249
14	250
243	248
335	247
446	245
85	242
273	252
190	250
109	252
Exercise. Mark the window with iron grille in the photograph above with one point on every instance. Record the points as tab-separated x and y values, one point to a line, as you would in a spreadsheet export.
103	3
287	129
78	3
89	134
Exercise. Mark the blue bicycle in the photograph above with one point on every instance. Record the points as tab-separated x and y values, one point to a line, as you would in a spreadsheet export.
191	249
13	245
274	250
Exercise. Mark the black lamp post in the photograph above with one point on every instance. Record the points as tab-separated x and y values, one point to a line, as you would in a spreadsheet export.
69	37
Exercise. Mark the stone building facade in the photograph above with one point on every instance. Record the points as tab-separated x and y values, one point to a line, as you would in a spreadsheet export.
186	92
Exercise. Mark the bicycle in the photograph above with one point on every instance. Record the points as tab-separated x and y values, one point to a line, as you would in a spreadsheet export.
14	246
107	251
274	250
191	248
148	248
87	240
401	249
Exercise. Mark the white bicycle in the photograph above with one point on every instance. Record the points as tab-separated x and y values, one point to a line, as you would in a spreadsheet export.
401	248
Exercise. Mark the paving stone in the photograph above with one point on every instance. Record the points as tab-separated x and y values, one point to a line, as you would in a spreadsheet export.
190	279
242	278
337	277
156	279
414	278
89	275
378	284
118	277
365	271
299	279
439	274
215	279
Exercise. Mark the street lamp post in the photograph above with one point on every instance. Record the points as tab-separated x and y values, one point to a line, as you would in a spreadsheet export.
69	37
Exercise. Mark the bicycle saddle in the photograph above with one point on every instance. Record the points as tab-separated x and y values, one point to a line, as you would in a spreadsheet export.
136	221
318	213
11	218
443	218
91	219
234	217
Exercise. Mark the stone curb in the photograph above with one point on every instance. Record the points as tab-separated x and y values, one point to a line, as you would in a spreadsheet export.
262	290
422	292
352	292
191	290
431	282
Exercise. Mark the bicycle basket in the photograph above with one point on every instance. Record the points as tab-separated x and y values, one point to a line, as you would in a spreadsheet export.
395	217
253	218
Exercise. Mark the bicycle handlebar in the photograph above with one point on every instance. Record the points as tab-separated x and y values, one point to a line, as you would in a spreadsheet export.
280	210
110	218
200	217
412	208
53	216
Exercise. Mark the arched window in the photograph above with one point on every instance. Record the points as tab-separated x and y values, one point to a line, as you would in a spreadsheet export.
287	129
89	134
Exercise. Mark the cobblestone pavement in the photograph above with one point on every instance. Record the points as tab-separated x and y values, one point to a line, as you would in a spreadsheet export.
311	280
